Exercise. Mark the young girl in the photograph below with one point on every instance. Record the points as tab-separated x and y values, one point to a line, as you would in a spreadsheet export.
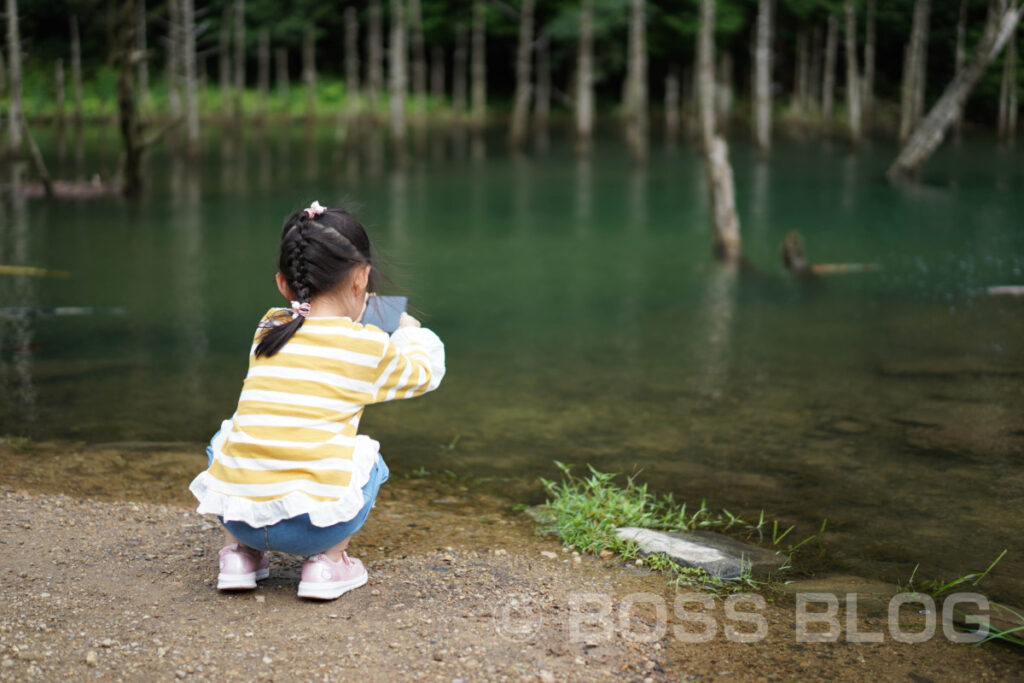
288	472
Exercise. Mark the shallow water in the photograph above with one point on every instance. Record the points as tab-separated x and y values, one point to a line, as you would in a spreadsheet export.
586	322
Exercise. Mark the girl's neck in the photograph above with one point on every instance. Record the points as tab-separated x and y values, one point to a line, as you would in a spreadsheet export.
326	306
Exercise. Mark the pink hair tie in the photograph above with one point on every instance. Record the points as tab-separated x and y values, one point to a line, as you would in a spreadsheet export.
300	309
314	209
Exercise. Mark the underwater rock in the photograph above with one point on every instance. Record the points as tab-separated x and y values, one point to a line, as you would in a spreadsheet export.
716	554
870	595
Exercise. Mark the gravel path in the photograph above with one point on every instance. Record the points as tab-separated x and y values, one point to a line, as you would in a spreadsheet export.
460	589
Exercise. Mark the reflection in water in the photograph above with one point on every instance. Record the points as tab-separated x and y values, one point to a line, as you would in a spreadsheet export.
521	194
583	195
190	275
759	211
266	160
375	150
478	145
398	203
713	341
17	336
638	199
849	181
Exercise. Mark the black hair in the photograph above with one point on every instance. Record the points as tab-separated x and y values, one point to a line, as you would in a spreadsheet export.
317	253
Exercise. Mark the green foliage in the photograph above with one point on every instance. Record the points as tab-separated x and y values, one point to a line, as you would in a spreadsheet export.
586	511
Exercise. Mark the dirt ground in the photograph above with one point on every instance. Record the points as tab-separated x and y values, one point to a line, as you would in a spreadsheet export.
460	588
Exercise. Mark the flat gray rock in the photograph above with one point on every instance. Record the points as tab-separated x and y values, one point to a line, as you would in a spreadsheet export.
716	554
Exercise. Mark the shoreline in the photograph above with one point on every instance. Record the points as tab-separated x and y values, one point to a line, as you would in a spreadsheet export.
460	587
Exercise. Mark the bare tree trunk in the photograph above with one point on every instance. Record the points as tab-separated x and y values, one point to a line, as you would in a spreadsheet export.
14	112
912	97
396	68
374	55
143	74
815	76
725	222
478	67
460	75
174	69
58	82
800	72
188	50
239	66
437	74
585	79
224	60
419	72
671	108
263	72
763	79
1002	21
636	111
1008	94
309	72
853	86
351	61
868	85
128	115
524	86
828	83
281	76
961	58
542	102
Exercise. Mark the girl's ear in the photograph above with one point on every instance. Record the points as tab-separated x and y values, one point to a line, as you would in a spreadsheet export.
282	286
361	278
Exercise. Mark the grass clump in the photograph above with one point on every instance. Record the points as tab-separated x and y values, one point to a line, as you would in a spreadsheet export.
586	511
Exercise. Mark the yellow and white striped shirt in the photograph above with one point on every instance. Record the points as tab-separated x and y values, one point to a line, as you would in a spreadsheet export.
292	445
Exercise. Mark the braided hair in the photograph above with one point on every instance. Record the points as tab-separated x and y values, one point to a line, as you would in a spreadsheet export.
317	253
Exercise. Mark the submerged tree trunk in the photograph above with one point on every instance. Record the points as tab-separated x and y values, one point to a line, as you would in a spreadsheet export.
911	92
224	60
542	101
309	71
128	115
524	86
725	221
868	85
239	66
263	72
828	83
14	103
460	74
1003	17
374	54
419	72
351	61
671	108
636	85
478	91
143	68
853	87
396	70
961	58
801	64
281	69
585	79
763	79
188	49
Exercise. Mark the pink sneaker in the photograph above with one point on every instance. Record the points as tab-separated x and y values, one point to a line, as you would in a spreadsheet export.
324	579
241	567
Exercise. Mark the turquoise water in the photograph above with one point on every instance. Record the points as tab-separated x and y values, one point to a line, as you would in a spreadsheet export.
585	321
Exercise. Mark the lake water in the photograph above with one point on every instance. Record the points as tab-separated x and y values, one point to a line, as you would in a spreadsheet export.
585	321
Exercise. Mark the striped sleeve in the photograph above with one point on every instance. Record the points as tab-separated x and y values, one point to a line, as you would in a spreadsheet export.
412	365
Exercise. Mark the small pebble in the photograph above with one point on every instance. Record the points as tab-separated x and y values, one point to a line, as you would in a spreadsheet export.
91	659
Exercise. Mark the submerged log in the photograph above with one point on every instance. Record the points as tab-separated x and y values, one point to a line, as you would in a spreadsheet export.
794	259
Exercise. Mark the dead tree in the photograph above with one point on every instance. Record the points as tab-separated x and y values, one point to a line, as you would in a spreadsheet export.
912	91
524	86
725	221
127	108
585	79
14	96
763	79
1002	20
636	83
853	88
828	83
418	57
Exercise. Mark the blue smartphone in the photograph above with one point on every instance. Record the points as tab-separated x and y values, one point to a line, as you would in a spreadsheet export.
385	311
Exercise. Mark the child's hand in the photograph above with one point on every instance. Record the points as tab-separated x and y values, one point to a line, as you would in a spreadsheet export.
407	321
